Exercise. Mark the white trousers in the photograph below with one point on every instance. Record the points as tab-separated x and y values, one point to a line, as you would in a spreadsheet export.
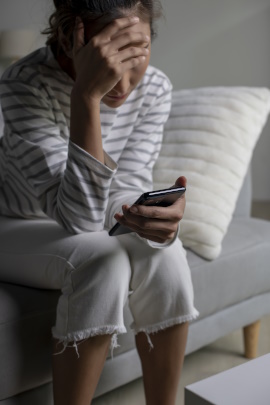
97	274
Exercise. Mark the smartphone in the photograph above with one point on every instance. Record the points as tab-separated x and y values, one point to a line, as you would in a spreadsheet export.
160	198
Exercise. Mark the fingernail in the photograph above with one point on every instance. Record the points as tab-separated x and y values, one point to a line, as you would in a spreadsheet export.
134	210
134	19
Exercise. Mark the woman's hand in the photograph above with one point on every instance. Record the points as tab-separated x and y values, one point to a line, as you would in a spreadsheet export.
158	224
101	63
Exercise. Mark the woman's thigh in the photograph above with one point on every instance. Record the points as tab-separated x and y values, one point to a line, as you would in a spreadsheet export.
97	269
161	285
39	253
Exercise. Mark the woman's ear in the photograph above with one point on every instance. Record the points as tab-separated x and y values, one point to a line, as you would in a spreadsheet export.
65	43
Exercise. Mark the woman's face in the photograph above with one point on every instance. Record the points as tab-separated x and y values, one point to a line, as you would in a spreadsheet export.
120	92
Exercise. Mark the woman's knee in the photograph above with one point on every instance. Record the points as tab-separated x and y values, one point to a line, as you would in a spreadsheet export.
106	268
163	290
95	293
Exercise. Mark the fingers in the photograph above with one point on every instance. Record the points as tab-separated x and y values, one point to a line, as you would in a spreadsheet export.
128	38
131	53
132	63
181	181
172	213
153	222
123	47
114	27
110	33
156	235
101	61
117	62
111	45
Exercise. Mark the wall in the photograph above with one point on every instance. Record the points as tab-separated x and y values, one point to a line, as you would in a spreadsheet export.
25	15
20	14
219	42
200	43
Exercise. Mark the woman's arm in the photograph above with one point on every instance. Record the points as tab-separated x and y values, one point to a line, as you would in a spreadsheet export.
99	65
47	172
67	180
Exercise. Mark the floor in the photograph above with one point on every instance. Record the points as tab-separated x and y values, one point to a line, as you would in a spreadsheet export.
225	353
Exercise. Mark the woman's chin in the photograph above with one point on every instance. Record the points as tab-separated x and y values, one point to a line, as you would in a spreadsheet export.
114	102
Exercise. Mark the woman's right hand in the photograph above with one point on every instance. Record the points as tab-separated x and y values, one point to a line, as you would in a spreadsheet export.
100	63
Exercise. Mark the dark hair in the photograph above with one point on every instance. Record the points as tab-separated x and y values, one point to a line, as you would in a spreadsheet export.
66	12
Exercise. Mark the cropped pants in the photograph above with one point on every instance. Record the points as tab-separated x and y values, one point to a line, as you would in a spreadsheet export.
97	274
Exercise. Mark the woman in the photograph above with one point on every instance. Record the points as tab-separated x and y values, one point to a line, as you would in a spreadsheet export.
84	118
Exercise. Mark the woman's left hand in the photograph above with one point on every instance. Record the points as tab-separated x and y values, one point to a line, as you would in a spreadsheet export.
158	224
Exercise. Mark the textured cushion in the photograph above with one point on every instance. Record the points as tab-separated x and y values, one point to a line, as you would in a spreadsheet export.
209	138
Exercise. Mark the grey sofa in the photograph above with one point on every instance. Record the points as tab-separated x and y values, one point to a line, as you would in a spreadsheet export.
231	292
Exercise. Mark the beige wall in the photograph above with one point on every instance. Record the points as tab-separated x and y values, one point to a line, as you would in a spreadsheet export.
20	14
200	43
219	42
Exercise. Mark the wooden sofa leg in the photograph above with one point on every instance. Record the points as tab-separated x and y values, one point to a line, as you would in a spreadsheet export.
251	337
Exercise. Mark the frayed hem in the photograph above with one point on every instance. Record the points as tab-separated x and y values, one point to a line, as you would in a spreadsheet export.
167	324
164	325
76	338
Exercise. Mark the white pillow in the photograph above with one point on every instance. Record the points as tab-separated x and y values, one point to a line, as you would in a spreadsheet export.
209	138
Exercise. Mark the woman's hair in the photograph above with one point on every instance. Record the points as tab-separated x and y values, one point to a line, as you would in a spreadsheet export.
66	11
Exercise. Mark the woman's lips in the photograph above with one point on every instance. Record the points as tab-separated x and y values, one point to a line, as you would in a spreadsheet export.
121	97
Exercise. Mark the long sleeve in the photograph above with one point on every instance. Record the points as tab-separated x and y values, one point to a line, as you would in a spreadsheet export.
44	171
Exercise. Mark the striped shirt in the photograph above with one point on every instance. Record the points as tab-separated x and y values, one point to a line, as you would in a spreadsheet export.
44	174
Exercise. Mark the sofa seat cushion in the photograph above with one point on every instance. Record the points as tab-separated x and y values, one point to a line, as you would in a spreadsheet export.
239	273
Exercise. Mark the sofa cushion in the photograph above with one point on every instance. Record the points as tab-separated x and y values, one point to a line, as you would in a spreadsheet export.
239	273
209	138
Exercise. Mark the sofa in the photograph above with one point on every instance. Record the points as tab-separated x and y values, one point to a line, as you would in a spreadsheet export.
231	291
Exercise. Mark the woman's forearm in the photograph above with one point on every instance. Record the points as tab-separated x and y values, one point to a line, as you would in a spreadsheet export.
85	126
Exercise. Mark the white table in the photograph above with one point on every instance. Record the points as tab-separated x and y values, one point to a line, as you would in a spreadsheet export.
248	384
